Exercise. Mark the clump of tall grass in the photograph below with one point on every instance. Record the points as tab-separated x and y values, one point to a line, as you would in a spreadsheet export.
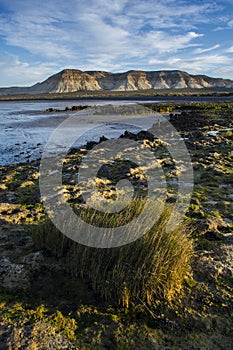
154	266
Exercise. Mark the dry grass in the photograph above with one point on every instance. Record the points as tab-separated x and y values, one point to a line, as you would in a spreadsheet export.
152	267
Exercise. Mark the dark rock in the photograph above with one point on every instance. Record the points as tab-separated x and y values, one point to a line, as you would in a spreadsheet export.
91	144
128	135
102	139
67	109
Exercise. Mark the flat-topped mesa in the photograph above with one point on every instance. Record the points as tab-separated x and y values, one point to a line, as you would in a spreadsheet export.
68	80
71	80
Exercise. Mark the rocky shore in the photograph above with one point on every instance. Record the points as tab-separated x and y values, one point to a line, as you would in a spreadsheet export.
67	109
44	307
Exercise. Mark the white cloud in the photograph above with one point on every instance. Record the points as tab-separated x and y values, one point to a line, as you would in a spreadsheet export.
226	23
210	64
13	70
100	34
230	23
106	34
225	71
199	50
35	35
163	42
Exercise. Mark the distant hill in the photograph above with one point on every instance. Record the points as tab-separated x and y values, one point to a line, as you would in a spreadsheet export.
71	80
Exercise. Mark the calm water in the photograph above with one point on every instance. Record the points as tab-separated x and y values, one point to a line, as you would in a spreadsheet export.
25	129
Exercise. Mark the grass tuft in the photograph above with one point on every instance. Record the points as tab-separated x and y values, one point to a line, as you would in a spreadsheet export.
154	266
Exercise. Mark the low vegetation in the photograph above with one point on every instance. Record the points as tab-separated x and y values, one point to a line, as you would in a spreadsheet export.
163	291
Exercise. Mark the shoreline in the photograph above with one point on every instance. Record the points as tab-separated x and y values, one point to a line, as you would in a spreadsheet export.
24	137
168	95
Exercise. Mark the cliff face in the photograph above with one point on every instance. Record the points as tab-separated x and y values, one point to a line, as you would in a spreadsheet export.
67	81
70	80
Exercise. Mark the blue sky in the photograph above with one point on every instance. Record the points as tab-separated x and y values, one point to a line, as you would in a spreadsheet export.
39	38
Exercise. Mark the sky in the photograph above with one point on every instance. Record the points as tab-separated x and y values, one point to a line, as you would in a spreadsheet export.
40	38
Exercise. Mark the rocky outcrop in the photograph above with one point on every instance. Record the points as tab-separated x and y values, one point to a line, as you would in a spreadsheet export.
67	109
70	80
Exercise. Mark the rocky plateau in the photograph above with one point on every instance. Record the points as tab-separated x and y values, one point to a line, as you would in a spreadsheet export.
71	80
